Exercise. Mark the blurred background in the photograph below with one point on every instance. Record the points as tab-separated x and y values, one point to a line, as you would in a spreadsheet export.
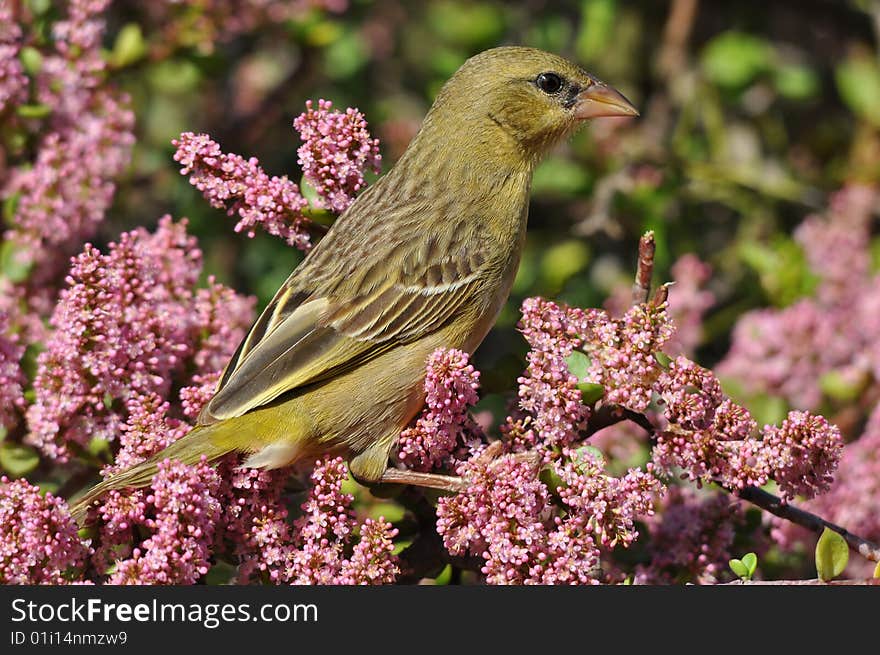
752	113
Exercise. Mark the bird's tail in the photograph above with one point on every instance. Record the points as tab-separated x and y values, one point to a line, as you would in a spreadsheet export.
188	449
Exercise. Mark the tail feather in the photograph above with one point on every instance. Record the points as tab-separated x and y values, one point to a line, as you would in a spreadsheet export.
189	449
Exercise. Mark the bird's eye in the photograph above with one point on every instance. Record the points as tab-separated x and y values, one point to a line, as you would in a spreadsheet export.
549	82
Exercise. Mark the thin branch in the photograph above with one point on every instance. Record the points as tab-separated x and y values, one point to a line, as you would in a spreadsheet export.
765	500
645	270
450	483
811	522
676	33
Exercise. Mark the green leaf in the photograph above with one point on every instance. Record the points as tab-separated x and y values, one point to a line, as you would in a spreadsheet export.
391	512
346	55
18	460
591	392
468	24
733	59
221	573
858	81
33	111
40	6
11	264
129	47
751	562
31	60
782	267
839	387
559	176
796	82
739	569
663	359
97	446
309	192
596	28
10	207
578	364
87	532
832	554
562	261
174	76
587	452
444	576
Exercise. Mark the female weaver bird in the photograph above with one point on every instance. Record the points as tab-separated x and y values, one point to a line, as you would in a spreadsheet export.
424	258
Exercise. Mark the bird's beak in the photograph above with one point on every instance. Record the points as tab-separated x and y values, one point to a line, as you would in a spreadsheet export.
598	99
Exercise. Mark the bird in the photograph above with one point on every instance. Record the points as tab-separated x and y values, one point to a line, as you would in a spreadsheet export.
424	258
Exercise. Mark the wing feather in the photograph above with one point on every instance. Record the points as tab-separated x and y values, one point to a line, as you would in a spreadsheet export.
343	306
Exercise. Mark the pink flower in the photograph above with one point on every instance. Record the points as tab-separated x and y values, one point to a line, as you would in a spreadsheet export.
506	516
451	387
13	82
241	186
691	537
803	454
337	149
622	353
688	302
128	323
690	393
63	194
319	547
38	538
186	512
852	499
548	392
12	378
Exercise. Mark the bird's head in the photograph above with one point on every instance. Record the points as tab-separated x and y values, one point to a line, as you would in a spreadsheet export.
534	97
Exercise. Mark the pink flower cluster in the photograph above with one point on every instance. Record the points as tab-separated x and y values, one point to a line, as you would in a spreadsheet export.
506	516
712	438
126	515
186	512
803	454
692	535
527	532
13	82
129	322
689	301
38	539
319	547
451	387
852	499
791	352
241	186
85	142
337	149
12	378
622	353
548	392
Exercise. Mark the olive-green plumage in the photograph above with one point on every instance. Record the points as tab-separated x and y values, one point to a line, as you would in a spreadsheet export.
422	259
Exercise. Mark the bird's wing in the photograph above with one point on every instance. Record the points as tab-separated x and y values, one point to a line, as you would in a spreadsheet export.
324	322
